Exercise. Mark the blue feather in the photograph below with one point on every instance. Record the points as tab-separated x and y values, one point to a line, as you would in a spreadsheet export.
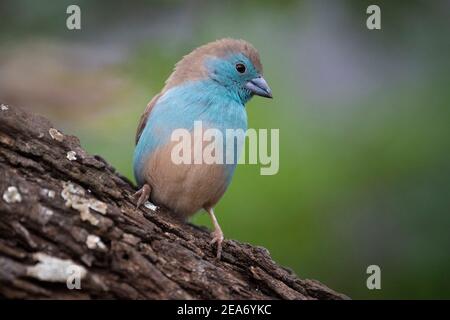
203	100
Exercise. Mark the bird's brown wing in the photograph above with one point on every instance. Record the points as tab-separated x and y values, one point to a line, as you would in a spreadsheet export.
145	116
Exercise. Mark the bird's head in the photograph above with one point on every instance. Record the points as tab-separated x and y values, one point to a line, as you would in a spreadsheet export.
233	64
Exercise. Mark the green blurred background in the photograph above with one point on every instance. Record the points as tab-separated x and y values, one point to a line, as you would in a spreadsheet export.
364	119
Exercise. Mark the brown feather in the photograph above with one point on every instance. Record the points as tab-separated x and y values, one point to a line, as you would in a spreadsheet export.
145	116
191	67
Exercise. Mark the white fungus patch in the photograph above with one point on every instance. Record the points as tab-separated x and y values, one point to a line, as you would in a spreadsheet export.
12	195
72	155
4	107
75	198
54	269
45	214
48	193
98	206
93	242
150	206
56	135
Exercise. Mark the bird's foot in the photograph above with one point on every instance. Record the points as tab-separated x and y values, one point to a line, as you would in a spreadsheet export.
143	194
217	233
217	238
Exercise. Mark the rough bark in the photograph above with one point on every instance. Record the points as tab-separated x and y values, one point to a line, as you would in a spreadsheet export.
61	207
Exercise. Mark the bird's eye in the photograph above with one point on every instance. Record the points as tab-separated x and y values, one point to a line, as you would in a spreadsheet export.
240	68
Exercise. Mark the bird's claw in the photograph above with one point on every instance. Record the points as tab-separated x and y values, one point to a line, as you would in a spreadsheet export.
143	194
217	238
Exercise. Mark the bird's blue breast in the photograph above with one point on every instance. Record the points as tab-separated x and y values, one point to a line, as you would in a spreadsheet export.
180	107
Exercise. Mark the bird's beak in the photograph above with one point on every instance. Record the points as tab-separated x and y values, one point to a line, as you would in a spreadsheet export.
259	87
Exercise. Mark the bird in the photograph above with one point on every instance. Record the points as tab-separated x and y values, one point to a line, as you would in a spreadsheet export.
211	84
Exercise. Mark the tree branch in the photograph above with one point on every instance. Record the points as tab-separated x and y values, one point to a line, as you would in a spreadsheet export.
61	207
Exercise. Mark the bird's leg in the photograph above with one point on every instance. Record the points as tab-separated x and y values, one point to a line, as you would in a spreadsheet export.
143	194
217	233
